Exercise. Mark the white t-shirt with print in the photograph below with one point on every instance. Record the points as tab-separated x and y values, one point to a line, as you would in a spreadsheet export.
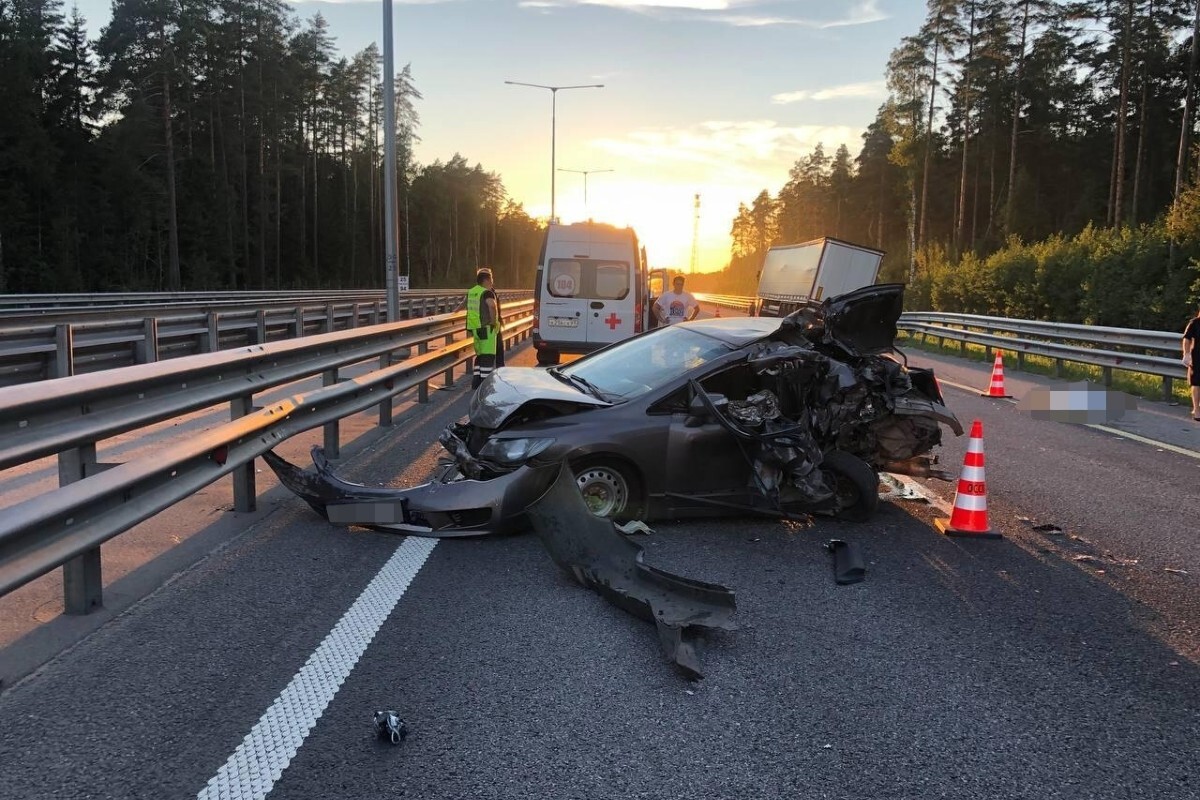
676	305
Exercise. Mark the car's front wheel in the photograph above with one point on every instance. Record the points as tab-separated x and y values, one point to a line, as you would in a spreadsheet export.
548	358
609	487
855	484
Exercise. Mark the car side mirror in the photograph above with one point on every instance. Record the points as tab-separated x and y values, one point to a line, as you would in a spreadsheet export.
699	412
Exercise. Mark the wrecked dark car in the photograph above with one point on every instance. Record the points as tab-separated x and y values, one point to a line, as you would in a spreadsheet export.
713	417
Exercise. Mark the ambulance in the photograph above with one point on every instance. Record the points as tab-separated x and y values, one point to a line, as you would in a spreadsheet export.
592	288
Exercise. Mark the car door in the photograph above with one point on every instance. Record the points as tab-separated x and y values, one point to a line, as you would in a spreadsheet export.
703	459
563	311
610	313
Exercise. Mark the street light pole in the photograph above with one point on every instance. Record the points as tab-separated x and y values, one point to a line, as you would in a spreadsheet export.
554	90
585	173
391	259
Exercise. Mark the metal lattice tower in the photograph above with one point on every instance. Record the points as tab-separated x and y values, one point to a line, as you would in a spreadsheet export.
695	235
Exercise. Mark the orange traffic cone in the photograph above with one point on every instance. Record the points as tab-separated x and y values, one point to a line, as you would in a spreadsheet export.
996	389
969	516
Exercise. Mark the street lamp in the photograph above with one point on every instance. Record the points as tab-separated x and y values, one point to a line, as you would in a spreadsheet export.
585	173
553	112
391	259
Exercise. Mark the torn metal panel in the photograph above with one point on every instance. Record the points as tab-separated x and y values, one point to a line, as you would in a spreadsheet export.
599	558
449	506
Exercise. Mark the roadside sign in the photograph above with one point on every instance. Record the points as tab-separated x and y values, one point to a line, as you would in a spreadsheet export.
402	283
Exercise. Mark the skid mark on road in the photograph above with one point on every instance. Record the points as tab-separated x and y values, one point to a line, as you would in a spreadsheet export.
265	753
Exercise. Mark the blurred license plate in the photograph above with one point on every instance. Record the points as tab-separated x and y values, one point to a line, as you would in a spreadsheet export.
563	322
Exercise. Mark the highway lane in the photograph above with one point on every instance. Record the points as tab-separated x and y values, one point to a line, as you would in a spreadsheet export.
1123	505
958	669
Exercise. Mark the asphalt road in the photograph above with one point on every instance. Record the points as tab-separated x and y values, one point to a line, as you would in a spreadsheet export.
958	669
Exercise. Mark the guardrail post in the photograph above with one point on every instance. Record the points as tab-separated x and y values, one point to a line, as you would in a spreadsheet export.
962	346
449	372
333	447
1167	388
329	321
1021	360
1106	372
298	324
146	351
385	406
83	580
245	494
423	386
212	339
354	312
408	308
376	314
1058	367
260	320
64	351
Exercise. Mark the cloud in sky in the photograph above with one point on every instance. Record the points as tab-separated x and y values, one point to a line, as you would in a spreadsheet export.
726	11
865	89
755	153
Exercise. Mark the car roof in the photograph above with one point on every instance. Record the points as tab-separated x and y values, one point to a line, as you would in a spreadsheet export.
736	331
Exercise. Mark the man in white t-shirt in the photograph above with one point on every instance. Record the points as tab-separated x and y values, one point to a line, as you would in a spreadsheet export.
677	305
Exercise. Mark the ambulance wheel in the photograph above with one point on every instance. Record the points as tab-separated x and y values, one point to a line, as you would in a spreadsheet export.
547	358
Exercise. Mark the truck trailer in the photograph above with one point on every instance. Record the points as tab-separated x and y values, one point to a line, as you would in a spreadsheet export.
797	274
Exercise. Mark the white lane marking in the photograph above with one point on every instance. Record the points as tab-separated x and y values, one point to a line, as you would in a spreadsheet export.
1183	451
267	750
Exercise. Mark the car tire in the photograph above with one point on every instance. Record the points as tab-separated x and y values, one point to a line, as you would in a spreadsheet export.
548	358
856	485
610	487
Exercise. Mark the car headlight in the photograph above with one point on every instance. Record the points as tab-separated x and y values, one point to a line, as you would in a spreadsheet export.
513	451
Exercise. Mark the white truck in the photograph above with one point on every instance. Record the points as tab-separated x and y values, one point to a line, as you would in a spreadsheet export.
795	274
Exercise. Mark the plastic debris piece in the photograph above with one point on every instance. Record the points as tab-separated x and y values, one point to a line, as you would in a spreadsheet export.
390	727
590	550
1048	527
633	527
1086	559
848	566
1176	571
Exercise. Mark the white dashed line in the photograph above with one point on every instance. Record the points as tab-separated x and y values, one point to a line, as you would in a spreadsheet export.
259	761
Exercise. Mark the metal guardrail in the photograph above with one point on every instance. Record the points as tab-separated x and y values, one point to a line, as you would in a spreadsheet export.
1147	352
97	501
1129	349
743	304
69	341
24	304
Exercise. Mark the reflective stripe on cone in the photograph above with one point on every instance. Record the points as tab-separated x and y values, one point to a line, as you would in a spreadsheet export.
996	388
969	517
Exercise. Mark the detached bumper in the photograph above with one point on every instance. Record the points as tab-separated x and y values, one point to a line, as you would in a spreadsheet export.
448	507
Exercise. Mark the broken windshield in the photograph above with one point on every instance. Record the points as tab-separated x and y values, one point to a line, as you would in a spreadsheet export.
646	363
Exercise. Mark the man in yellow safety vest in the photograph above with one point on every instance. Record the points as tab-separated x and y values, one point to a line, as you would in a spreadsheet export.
483	326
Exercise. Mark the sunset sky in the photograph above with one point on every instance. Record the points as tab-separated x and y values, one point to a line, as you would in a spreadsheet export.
711	96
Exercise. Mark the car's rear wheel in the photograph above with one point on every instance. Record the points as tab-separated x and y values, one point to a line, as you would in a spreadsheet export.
609	487
855	484
548	358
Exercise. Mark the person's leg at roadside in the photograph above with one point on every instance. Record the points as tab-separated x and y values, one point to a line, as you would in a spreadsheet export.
485	358
1194	380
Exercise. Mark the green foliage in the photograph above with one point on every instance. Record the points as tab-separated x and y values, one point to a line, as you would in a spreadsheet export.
1101	276
237	130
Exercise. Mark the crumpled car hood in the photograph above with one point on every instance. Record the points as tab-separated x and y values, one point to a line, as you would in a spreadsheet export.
507	389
